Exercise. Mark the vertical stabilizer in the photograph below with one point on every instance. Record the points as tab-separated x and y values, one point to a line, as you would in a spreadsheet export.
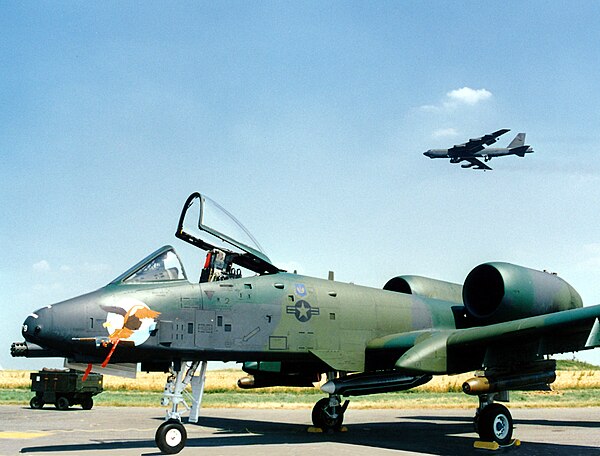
518	141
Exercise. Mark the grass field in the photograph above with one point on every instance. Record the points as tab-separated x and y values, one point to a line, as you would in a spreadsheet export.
577	385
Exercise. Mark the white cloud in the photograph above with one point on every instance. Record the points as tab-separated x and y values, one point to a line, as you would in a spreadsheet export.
41	266
469	96
464	96
445	133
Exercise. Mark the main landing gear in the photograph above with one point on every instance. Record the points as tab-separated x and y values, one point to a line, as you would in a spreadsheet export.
328	413
493	422
171	436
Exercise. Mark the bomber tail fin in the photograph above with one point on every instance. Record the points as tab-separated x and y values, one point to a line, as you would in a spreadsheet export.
518	141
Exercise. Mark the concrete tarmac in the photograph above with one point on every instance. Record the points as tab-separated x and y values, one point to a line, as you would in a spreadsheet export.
130	431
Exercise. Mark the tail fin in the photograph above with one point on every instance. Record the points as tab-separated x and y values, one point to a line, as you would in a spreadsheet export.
518	141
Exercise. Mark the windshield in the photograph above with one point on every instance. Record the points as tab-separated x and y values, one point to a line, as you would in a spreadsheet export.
163	265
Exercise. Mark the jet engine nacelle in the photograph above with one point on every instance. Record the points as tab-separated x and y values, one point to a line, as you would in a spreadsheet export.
424	286
498	292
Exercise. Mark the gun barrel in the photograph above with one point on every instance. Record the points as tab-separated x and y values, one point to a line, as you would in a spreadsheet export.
29	350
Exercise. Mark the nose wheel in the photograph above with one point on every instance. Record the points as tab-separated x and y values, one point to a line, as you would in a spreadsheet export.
170	437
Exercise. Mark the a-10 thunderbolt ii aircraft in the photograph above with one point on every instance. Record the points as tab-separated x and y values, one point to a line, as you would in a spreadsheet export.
474	149
289	329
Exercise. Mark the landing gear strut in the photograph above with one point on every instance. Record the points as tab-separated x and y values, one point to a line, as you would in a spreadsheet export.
171	436
493	422
328	413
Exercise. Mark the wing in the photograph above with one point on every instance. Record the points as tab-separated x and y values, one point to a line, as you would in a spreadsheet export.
510	343
475	144
475	164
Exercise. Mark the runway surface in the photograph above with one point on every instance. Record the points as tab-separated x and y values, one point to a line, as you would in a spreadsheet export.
130	431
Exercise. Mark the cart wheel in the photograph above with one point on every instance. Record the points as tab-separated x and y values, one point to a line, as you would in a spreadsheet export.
36	403
62	403
87	403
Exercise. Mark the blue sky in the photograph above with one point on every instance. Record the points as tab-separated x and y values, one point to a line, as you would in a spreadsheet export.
308	122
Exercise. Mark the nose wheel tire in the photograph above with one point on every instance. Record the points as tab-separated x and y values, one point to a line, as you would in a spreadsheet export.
495	424
326	417
170	437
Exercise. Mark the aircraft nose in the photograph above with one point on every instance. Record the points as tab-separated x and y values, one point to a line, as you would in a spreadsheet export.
36	324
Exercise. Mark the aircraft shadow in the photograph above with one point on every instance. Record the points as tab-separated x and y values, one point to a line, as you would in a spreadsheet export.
532	422
453	437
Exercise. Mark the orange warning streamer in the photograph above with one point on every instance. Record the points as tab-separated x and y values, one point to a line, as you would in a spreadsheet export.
110	353
87	372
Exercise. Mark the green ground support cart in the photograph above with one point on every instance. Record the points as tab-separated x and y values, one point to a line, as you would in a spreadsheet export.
63	388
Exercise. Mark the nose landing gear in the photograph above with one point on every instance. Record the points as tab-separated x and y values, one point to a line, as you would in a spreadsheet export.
171	436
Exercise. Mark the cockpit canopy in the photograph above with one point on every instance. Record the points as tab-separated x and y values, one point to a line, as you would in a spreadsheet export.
208	226
161	266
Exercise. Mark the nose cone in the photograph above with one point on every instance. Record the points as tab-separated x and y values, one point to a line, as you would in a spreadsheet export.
37	324
428	153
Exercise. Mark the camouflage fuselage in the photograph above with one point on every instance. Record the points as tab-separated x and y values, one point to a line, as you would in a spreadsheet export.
271	317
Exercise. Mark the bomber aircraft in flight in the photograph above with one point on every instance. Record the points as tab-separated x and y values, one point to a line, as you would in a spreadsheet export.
290	330
474	149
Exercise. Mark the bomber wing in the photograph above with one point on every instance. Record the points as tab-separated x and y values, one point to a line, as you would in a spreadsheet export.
512	342
475	145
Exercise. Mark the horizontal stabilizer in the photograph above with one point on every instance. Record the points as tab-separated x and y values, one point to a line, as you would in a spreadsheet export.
521	150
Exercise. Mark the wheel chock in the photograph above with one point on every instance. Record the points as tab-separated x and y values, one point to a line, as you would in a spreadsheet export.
493	446
318	430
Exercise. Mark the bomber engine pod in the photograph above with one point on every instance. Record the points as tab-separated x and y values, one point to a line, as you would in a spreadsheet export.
498	292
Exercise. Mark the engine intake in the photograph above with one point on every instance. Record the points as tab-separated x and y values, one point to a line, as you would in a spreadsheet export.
424	286
498	292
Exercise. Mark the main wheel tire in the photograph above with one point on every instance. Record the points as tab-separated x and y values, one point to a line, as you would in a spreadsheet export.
495	424
87	403
36	403
62	403
170	437
326	417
